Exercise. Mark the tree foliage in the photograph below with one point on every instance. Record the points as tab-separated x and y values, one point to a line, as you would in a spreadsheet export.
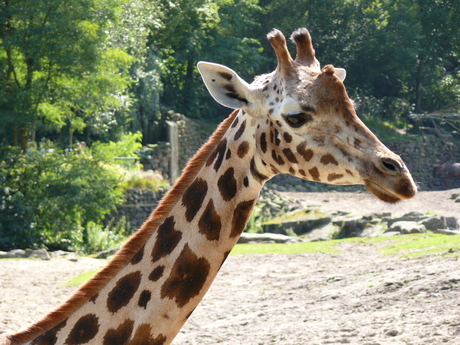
49	196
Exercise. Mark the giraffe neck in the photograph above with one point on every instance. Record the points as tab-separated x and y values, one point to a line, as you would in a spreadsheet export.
149	298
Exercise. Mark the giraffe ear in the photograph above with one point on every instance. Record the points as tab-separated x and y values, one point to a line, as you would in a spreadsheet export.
341	73
225	85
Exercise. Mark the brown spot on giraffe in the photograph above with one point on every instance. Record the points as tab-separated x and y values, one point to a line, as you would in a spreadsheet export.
49	337
193	198
123	291
349	172
119	335
187	277
290	155
255	172
277	158
157	273
138	256
240	131
307	154
243	149
263	142
287	137
144	298
94	298
328	159
314	174
219	152
143	336
235	122
277	139
210	223
227	185
333	176
84	330
167	239
240	216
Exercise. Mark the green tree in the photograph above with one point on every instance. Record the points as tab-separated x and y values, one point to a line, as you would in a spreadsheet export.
56	69
217	31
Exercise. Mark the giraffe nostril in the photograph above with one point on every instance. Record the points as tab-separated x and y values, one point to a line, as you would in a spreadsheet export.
391	165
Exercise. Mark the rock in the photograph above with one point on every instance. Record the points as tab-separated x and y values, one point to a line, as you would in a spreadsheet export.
350	228
267	238
408	217
392	333
3	255
299	227
106	253
41	253
433	223
17	253
451	223
407	227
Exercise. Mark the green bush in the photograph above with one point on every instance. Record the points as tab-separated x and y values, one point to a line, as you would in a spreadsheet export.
145	180
99	238
50	198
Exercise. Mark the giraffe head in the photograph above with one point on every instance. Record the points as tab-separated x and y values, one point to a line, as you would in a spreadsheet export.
306	124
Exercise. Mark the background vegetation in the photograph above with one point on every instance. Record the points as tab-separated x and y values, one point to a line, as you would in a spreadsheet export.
94	71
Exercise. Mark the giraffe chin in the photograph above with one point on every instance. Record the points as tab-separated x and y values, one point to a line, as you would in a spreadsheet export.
382	193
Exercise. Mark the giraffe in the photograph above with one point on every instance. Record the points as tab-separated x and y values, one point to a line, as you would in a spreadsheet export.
297	120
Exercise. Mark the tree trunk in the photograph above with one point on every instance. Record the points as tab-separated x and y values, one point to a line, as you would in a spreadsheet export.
418	85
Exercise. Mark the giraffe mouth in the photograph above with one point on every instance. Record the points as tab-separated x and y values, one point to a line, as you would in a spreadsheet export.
381	193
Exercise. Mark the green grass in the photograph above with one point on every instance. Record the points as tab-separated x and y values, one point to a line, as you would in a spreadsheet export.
418	245
413	245
289	248
80	279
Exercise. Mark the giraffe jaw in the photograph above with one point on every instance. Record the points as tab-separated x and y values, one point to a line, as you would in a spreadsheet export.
382	193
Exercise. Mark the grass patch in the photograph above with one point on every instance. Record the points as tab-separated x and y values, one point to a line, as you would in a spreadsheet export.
81	278
417	245
327	247
412	245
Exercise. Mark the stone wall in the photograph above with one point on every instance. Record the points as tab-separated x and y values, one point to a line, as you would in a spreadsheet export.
192	135
137	207
156	157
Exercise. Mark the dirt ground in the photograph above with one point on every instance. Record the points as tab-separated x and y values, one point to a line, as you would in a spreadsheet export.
354	297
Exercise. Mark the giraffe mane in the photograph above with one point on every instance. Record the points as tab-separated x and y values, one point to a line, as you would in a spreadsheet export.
132	246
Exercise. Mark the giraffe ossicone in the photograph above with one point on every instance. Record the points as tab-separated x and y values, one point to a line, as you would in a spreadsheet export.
297	120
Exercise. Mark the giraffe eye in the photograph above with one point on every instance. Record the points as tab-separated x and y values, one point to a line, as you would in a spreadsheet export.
298	119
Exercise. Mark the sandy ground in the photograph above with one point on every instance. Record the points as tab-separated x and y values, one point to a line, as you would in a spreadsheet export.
356	296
